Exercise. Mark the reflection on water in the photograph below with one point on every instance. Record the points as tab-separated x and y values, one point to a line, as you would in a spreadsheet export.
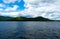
29	30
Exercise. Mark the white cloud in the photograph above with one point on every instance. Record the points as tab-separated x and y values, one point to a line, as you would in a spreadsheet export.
11	14
10	1
2	5
19	0
1	9
14	8
44	8
6	8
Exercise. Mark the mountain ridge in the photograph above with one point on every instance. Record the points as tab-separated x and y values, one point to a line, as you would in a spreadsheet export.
4	18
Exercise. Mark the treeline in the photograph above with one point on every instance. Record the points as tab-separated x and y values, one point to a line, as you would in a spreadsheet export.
3	18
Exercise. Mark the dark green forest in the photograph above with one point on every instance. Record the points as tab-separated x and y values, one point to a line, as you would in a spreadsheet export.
3	18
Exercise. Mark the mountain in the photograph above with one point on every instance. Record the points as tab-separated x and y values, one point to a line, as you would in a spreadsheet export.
29	19
3	18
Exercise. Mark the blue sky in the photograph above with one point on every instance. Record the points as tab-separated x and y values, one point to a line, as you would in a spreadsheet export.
31	8
6	4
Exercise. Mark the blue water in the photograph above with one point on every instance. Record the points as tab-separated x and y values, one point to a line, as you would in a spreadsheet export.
30	30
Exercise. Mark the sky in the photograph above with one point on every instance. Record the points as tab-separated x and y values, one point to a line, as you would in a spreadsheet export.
31	8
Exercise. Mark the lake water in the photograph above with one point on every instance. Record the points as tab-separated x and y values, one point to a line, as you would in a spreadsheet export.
30	30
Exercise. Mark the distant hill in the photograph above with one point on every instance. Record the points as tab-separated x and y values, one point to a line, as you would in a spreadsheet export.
3	18
29	19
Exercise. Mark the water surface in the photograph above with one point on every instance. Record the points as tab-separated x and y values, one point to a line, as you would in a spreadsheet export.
29	30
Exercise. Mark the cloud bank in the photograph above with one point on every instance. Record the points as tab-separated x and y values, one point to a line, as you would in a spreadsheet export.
45	8
34	8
